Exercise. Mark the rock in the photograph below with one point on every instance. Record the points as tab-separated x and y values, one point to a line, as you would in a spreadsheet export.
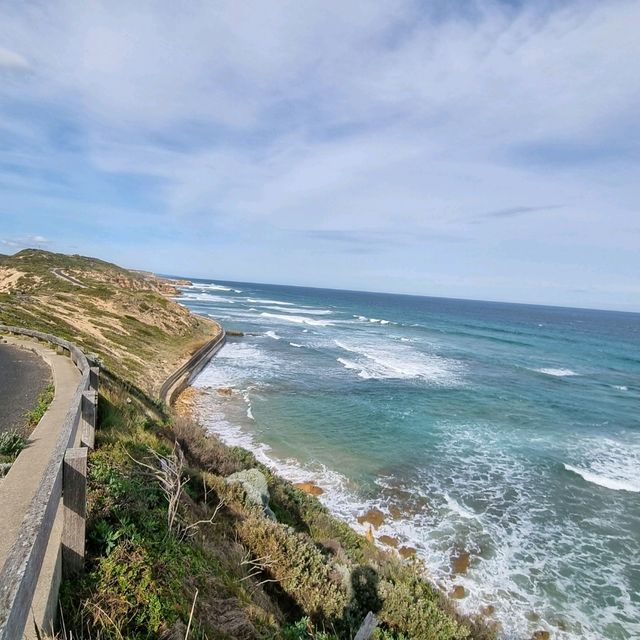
370	534
4	468
488	610
460	562
458	592
225	391
407	552
374	517
309	487
395	512
255	486
390	541
541	635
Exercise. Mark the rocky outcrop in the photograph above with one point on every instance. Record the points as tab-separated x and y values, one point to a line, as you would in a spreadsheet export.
309	487
255	487
373	517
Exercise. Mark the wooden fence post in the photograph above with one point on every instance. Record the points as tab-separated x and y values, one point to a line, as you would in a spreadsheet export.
74	498
89	414
367	628
94	378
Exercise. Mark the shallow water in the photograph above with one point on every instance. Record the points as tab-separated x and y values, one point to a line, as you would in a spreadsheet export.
510	432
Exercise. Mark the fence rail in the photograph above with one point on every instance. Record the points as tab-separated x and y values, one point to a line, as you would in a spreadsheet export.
60	495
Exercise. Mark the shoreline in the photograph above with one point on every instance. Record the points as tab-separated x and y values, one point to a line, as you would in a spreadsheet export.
369	520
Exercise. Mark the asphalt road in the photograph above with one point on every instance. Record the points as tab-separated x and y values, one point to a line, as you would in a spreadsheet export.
23	376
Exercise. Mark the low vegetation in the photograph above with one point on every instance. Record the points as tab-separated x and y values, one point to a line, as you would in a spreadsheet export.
156	545
125	317
44	400
173	548
11	444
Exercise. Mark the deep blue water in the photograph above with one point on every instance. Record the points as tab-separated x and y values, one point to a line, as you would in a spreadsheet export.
509	432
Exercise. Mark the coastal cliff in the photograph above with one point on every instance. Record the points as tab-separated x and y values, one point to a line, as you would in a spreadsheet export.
186	536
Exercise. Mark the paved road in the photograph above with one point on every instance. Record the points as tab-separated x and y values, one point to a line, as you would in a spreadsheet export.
23	375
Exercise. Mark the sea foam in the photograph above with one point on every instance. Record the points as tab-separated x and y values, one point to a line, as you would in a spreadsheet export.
380	361
557	372
605	481
297	319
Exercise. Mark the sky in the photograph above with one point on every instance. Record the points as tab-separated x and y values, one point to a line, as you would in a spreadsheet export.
472	149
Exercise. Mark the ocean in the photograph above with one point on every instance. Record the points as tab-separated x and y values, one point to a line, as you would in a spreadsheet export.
500	441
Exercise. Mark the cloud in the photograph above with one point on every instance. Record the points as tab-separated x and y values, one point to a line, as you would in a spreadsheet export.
511	212
22	242
372	241
377	127
12	60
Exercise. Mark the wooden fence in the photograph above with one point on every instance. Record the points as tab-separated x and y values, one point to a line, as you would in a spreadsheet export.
53	525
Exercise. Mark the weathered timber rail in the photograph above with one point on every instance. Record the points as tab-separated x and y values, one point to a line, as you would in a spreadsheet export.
49	542
179	379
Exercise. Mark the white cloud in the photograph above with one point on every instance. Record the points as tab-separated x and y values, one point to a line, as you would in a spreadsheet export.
336	117
12	60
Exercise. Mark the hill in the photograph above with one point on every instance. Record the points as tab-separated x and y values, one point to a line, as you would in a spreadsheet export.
127	317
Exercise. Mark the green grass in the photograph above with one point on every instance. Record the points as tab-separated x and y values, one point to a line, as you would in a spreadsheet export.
44	400
11	444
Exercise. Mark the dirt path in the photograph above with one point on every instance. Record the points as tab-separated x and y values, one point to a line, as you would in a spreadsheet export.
67	278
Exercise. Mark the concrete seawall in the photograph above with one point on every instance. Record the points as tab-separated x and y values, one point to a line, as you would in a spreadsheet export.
179	379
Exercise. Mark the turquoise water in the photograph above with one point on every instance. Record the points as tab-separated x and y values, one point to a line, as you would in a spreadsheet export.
509	432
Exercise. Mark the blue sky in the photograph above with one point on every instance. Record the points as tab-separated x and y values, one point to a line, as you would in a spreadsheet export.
473	149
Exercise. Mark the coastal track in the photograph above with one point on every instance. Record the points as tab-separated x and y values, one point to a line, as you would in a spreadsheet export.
59	273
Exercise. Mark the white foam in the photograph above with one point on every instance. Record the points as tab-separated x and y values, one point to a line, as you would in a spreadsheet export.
245	395
457	508
214	287
308	310
260	301
373	320
610	463
557	372
236	363
297	319
295	344
348	364
621	387
272	334
379	360
207	297
604	481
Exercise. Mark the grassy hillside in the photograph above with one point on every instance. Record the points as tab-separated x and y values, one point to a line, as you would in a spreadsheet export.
173	548
126	317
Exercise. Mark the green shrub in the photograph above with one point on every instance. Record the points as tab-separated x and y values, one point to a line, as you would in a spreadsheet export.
11	444
298	566
411	607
